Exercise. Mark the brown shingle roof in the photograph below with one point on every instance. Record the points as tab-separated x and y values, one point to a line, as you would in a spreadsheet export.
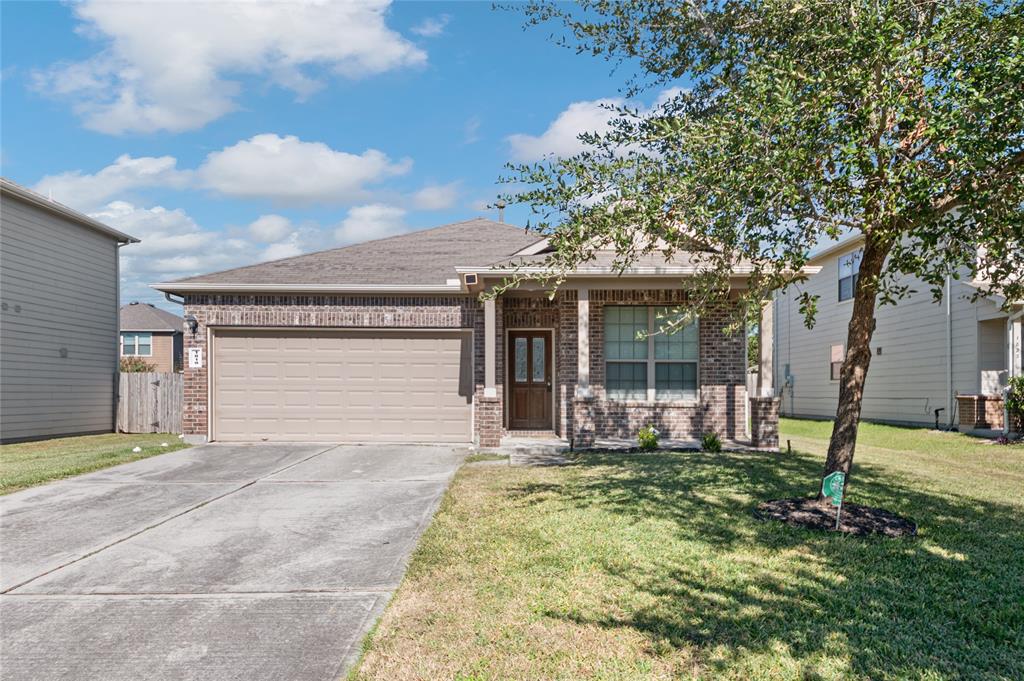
424	258
146	317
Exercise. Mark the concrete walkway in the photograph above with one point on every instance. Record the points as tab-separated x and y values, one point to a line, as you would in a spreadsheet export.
262	561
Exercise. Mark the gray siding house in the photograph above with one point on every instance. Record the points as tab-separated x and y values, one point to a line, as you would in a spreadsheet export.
954	356
58	318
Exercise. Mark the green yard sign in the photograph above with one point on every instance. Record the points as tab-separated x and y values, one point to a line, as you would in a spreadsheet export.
832	486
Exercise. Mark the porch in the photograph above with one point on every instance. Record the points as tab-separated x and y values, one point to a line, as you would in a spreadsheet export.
572	371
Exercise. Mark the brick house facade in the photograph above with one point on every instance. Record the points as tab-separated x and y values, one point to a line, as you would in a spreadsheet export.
721	407
399	340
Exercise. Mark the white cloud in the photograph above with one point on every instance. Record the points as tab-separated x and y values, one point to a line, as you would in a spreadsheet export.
562	136
168	65
285	249
471	130
286	169
436	196
431	27
268	228
86	192
372	221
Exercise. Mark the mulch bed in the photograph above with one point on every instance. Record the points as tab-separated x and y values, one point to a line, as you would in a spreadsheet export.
855	519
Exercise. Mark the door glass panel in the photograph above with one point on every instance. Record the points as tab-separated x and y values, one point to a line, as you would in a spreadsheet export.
539	359
520	359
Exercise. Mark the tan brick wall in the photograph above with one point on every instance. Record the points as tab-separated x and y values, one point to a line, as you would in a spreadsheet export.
764	421
983	412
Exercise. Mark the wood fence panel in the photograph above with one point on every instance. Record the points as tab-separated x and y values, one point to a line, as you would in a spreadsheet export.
150	403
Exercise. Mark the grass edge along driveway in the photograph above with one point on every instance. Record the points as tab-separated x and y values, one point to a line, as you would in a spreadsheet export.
26	464
652	566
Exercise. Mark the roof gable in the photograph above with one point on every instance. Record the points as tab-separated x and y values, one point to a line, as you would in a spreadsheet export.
145	317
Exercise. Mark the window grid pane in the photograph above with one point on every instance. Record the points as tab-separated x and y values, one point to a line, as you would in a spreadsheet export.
622	326
682	344
627	380
675	380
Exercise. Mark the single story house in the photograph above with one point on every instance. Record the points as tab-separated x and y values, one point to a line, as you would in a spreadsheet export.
933	363
391	340
153	335
58	318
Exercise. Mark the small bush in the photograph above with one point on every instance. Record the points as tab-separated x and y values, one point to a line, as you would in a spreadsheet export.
648	438
1015	402
131	365
710	442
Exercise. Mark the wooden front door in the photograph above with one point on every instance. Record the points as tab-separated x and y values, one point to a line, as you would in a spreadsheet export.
529	380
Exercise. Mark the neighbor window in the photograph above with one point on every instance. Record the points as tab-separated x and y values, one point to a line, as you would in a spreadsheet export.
835	363
139	344
849	269
642	363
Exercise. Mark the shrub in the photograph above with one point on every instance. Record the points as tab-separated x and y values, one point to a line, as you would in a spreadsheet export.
648	438
131	365
1015	401
710	442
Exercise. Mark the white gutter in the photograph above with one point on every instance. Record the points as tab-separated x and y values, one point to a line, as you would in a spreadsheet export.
171	287
631	271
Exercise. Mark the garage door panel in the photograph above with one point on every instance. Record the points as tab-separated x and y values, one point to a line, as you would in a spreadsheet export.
342	386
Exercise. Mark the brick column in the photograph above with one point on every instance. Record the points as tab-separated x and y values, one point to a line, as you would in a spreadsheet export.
584	430
764	422
488	425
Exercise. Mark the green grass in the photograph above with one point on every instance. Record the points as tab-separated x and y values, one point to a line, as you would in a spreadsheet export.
33	463
641	566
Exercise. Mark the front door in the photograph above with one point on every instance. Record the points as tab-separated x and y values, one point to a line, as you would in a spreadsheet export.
529	379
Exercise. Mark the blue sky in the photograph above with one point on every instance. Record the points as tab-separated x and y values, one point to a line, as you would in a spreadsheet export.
224	135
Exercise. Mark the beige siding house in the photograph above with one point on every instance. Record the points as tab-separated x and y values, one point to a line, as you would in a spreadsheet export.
930	360
153	335
58	318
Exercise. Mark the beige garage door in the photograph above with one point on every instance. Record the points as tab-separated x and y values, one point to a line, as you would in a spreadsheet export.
342	386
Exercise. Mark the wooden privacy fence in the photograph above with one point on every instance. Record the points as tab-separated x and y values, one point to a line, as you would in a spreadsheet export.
150	403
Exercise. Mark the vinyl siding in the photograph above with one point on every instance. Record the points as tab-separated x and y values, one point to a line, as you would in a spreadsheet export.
58	284
907	381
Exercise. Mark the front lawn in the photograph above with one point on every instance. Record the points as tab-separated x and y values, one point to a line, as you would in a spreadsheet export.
33	463
627	566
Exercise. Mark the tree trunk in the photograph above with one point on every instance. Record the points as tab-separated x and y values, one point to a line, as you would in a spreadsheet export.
855	364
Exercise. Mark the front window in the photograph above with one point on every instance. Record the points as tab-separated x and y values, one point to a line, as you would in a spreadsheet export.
136	344
849	270
642	363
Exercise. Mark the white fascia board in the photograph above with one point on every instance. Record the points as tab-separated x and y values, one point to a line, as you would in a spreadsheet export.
631	271
171	287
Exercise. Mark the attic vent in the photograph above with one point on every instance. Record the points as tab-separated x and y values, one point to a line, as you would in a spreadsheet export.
470	279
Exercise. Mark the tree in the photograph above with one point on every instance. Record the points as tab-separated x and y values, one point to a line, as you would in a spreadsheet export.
799	122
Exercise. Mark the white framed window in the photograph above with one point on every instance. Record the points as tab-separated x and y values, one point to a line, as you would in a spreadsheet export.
835	361
849	271
136	345
643	364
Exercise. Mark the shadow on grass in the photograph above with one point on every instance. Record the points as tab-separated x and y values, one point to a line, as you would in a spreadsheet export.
948	604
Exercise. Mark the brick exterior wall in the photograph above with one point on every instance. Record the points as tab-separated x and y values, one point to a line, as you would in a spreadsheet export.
983	412
721	407
283	311
764	422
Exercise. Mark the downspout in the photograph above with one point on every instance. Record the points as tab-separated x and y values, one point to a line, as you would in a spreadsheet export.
172	300
117	335
949	350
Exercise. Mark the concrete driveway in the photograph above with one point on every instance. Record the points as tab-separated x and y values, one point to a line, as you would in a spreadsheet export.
263	561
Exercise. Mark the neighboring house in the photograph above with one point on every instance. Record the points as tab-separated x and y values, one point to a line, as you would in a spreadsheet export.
58	318
153	335
926	355
390	341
